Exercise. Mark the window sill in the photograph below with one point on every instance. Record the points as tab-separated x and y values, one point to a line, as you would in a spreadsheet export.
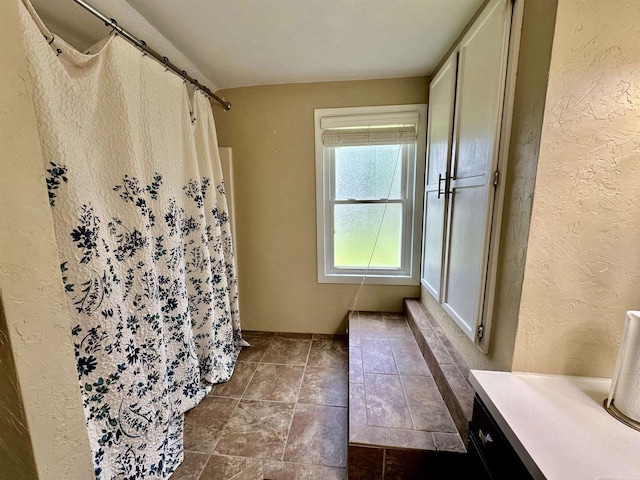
370	279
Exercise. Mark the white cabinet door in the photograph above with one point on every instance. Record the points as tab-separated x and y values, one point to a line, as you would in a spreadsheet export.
439	141
479	100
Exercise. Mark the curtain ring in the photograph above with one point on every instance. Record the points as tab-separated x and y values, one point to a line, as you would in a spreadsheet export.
184	76
165	60
143	47
58	52
114	26
53	37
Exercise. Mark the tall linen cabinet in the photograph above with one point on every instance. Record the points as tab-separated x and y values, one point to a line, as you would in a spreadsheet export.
466	112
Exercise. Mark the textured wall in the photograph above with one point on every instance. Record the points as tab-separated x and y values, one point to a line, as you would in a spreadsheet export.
16	455
32	299
533	64
271	132
583	260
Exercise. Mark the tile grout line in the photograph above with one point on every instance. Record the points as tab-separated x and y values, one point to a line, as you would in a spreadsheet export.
364	393
222	430
285	364
364	398
238	404
295	405
271	401
404	392
364	376
406	401
362	364
203	467
395	375
213	448
408	430
359	346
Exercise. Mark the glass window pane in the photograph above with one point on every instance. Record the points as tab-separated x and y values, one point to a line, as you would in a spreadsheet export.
365	172
355	229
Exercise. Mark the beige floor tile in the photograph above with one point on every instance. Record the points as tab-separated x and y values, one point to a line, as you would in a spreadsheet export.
409	359
280	383
255	352
191	466
329	354
203	424
319	472
356	372
449	442
386	403
318	436
289	351
377	357
324	386
220	467
238	382
357	410
256	429
277	470
427	407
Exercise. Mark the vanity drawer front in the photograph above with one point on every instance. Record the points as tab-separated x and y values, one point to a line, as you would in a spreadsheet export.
477	463
497	453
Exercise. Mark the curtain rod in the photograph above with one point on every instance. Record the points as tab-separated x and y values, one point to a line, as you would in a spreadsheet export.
142	45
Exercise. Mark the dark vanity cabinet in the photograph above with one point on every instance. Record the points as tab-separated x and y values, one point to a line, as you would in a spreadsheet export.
491	456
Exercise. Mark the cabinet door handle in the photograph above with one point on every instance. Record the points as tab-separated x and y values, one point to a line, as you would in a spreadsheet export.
484	439
440	180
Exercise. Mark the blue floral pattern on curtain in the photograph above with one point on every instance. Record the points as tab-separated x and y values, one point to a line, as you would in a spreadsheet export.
140	215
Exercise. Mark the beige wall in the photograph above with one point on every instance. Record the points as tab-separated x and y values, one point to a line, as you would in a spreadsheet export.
583	260
533	63
16	454
271	132
40	394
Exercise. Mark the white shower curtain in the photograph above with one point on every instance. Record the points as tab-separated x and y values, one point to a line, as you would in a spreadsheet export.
140	215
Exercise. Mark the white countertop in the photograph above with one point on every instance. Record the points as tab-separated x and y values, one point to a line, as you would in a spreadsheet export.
558	426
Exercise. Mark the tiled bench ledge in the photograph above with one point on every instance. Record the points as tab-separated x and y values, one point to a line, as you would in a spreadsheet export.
399	425
449	369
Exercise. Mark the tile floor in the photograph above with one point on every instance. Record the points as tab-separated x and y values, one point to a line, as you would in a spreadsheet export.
395	402
281	416
399	425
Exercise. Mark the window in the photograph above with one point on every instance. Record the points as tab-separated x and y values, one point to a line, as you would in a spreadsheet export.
369	175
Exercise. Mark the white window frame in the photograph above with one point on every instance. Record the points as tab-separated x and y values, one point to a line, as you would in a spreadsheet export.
413	163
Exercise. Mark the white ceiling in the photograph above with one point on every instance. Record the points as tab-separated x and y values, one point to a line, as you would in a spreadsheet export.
234	43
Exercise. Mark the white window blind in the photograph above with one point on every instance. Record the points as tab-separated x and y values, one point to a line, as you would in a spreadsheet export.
345	137
381	129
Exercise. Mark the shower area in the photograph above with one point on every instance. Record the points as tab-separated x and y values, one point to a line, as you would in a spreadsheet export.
137	221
